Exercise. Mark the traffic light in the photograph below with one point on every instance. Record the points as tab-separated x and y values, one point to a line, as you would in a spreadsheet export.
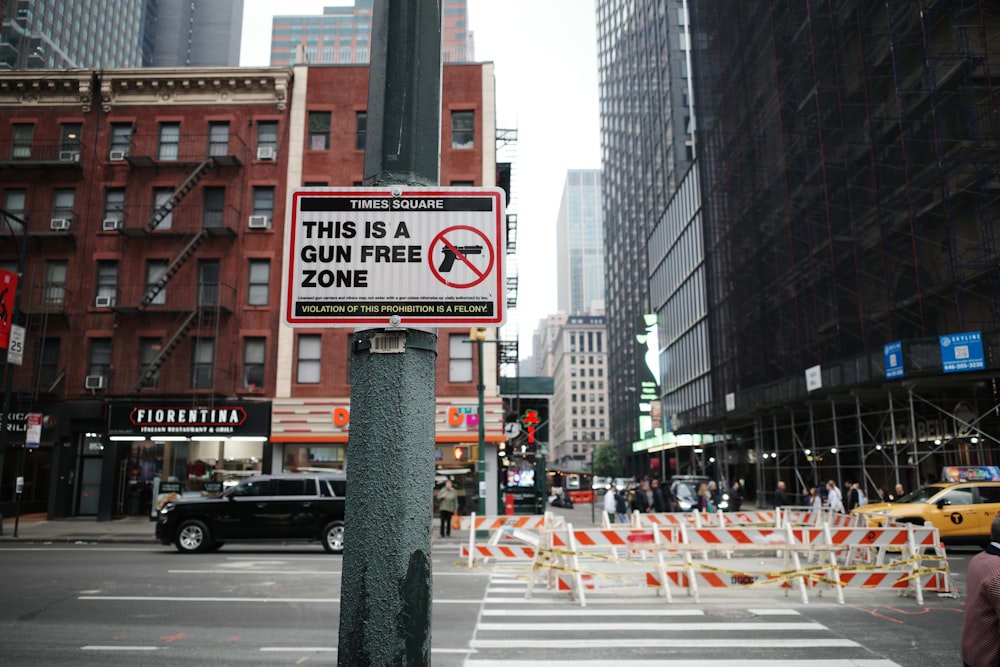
477	333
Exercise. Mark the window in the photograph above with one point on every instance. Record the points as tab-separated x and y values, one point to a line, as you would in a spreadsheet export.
462	129
149	351
253	362
958	497
267	135
263	200
156	270
989	494
62	203
107	279
21	137
170	141
48	363
308	359
14	202
202	360
208	282
69	139
99	361
296	487
213	207
460	358
259	282
162	198
121	137
114	204
55	283
360	130
218	139
319	130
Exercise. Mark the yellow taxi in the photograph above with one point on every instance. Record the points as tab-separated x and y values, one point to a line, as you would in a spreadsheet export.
961	511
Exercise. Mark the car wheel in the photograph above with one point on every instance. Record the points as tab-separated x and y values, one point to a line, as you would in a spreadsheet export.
192	537
333	537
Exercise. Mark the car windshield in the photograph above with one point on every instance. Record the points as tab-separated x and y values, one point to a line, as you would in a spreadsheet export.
920	495
685	490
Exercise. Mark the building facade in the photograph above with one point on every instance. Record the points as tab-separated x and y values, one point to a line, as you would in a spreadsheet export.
848	167
647	148
342	34
145	212
195	34
580	245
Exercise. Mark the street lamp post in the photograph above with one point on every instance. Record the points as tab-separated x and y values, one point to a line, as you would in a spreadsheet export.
477	335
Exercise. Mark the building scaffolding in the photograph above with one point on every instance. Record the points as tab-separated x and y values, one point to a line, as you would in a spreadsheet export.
850	177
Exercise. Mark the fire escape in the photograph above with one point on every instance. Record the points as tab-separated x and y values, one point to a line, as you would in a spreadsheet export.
507	348
175	219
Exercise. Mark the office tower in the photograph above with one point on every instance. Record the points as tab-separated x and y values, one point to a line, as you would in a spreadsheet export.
580	245
71	33
342	34
204	33
647	148
849	173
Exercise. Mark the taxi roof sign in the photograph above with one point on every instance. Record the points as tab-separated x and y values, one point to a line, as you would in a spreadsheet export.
395	256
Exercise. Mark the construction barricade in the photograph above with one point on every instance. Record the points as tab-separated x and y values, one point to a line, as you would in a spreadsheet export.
905	558
508	537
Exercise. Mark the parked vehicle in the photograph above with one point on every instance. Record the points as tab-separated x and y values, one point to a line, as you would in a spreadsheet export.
291	507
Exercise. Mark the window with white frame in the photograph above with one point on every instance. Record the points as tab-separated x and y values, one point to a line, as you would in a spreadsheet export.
308	359
460	358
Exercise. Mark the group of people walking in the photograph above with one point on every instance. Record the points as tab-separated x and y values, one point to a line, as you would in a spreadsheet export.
830	495
651	496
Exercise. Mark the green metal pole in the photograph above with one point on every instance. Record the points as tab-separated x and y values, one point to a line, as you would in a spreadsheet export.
385	611
481	464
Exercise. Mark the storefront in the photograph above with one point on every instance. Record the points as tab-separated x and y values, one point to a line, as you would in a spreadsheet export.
310	434
162	450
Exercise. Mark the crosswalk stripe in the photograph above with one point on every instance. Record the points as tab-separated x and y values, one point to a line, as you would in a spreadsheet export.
612	627
681	662
672	643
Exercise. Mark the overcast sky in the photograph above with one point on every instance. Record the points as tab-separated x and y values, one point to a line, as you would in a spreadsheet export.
545	58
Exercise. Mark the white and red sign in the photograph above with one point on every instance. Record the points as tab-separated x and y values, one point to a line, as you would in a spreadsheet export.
395	255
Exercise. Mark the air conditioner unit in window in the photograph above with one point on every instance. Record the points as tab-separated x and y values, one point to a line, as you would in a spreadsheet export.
111	224
94	382
117	156
265	152
104	301
259	222
59	224
69	156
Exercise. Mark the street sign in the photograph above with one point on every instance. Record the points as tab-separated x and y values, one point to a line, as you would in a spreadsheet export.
33	436
15	349
397	256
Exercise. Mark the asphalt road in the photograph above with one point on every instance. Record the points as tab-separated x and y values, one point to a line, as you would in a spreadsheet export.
148	605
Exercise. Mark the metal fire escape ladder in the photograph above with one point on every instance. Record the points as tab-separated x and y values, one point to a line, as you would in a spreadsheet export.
185	188
186	322
174	267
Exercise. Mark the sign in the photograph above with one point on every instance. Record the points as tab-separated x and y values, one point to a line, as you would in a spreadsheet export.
33	436
814	378
962	352
15	349
222	420
893	354
395	256
8	287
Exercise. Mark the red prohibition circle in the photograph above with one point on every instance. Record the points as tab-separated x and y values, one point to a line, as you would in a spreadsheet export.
459	257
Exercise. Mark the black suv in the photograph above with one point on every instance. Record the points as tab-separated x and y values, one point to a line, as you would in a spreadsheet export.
288	507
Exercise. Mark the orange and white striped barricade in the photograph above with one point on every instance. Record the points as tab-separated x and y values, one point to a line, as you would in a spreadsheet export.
575	560
523	529
743	539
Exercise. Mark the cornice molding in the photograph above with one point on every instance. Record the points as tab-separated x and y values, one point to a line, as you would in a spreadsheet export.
70	88
195	86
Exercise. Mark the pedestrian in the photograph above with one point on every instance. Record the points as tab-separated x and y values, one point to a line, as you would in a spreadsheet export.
853	497
610	498
621	506
735	497
715	494
447	506
705	500
815	500
981	626
642	499
881	495
833	498
779	496
659	498
896	494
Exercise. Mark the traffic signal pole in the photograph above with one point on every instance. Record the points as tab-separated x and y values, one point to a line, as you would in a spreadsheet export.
385	610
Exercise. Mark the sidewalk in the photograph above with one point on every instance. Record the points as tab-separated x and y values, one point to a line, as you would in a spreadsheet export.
35	528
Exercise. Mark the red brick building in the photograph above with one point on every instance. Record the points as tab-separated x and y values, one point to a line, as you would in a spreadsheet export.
154	203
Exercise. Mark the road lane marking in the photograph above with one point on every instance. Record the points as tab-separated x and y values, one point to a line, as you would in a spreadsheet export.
120	648
231	600
683	662
588	611
672	642
654	627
